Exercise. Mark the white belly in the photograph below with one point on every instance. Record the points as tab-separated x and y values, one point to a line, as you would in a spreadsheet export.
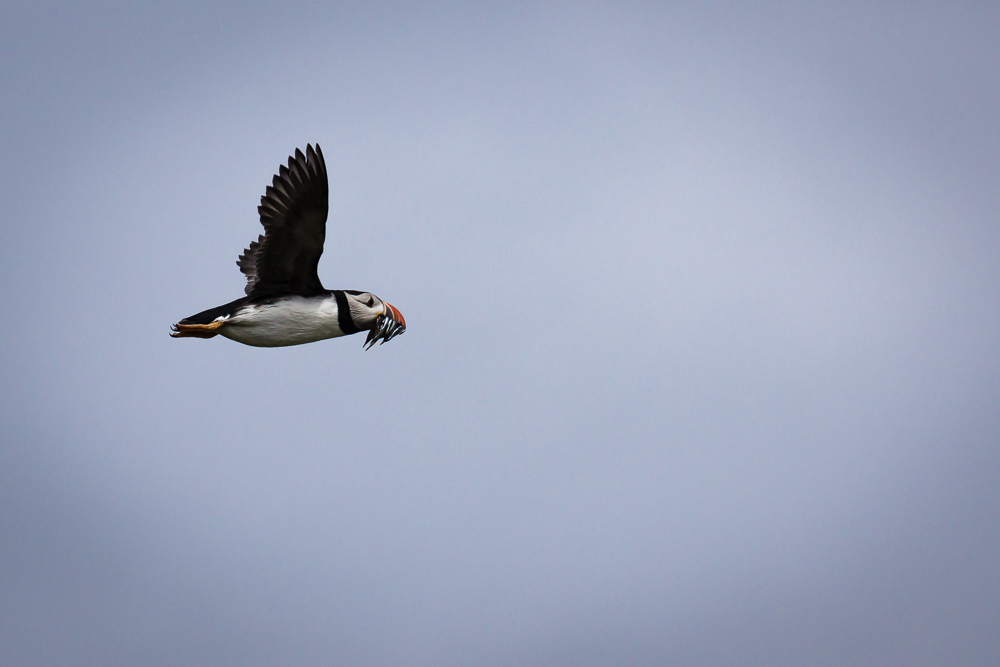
291	321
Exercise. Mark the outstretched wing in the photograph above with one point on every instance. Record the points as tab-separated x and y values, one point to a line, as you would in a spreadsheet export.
293	211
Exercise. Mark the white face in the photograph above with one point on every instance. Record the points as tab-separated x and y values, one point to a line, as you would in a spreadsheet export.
365	308
382	320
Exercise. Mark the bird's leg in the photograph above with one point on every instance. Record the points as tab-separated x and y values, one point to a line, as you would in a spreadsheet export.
196	330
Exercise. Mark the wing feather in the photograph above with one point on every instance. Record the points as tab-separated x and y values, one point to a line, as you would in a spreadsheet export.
293	211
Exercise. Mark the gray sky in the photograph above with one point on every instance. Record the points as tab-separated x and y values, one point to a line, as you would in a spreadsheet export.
702	360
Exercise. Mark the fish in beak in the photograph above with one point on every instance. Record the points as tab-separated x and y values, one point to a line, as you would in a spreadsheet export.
388	325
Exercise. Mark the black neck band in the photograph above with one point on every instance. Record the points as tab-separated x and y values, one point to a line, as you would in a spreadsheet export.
344	313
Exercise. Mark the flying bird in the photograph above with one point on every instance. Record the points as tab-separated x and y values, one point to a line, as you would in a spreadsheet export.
285	303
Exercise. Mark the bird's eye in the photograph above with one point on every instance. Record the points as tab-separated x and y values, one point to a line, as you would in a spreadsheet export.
371	301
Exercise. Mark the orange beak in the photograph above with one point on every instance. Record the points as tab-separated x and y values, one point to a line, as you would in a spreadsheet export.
388	325
396	315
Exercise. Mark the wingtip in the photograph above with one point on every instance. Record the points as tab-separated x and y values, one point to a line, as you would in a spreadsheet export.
314	155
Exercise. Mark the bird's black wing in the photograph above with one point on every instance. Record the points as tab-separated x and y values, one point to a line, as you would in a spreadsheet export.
283	260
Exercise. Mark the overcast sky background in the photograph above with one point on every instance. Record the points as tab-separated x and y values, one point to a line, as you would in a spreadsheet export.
702	359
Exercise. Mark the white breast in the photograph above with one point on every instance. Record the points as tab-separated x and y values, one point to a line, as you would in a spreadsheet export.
289	321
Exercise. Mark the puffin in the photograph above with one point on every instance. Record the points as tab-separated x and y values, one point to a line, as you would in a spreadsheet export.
285	302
